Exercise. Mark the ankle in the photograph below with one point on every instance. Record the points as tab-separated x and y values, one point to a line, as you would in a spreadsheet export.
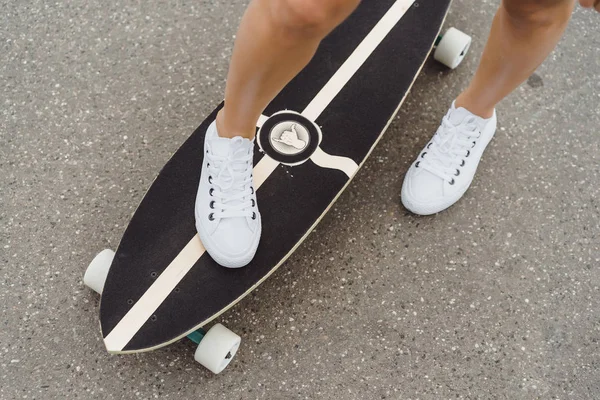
473	106
225	129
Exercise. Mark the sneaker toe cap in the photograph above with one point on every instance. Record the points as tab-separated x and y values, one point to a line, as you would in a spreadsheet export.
422	192
233	243
233	237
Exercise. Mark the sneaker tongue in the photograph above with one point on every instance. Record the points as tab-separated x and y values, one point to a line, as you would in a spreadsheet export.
230	149
458	115
220	146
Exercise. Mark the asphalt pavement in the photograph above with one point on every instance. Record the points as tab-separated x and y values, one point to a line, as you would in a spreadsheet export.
496	298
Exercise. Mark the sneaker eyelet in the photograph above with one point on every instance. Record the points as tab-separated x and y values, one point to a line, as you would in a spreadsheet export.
252	188
474	143
429	145
457	172
463	163
211	217
212	205
211	191
417	164
210	179
423	155
452	182
207	164
253	215
253	203
468	153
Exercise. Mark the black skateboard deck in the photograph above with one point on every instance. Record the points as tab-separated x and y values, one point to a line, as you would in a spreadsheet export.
162	285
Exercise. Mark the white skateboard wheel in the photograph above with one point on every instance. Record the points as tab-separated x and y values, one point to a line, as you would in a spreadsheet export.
217	348
453	48
97	271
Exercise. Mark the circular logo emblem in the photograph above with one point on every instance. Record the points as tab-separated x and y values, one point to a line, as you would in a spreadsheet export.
289	137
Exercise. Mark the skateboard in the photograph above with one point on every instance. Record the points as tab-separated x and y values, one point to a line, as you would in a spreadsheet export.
161	286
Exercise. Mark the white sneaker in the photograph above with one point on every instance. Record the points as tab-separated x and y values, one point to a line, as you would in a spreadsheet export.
445	168
227	217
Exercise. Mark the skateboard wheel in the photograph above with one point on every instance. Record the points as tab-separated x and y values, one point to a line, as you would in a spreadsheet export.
453	48
217	348
97	271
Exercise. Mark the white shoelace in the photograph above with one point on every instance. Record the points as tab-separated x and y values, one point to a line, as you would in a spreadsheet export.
230	178
449	149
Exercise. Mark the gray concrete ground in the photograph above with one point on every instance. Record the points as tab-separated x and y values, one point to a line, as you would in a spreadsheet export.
497	298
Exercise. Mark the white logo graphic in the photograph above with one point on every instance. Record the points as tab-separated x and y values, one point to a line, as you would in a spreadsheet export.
290	137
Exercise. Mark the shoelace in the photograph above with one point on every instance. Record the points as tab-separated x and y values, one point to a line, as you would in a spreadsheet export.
449	149
231	182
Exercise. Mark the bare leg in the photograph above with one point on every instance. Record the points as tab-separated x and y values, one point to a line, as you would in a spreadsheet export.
276	39
523	34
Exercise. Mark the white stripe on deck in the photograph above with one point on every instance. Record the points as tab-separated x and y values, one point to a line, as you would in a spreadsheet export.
356	59
162	287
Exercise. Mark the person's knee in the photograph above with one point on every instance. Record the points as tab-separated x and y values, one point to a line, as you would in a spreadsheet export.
311	16
538	12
